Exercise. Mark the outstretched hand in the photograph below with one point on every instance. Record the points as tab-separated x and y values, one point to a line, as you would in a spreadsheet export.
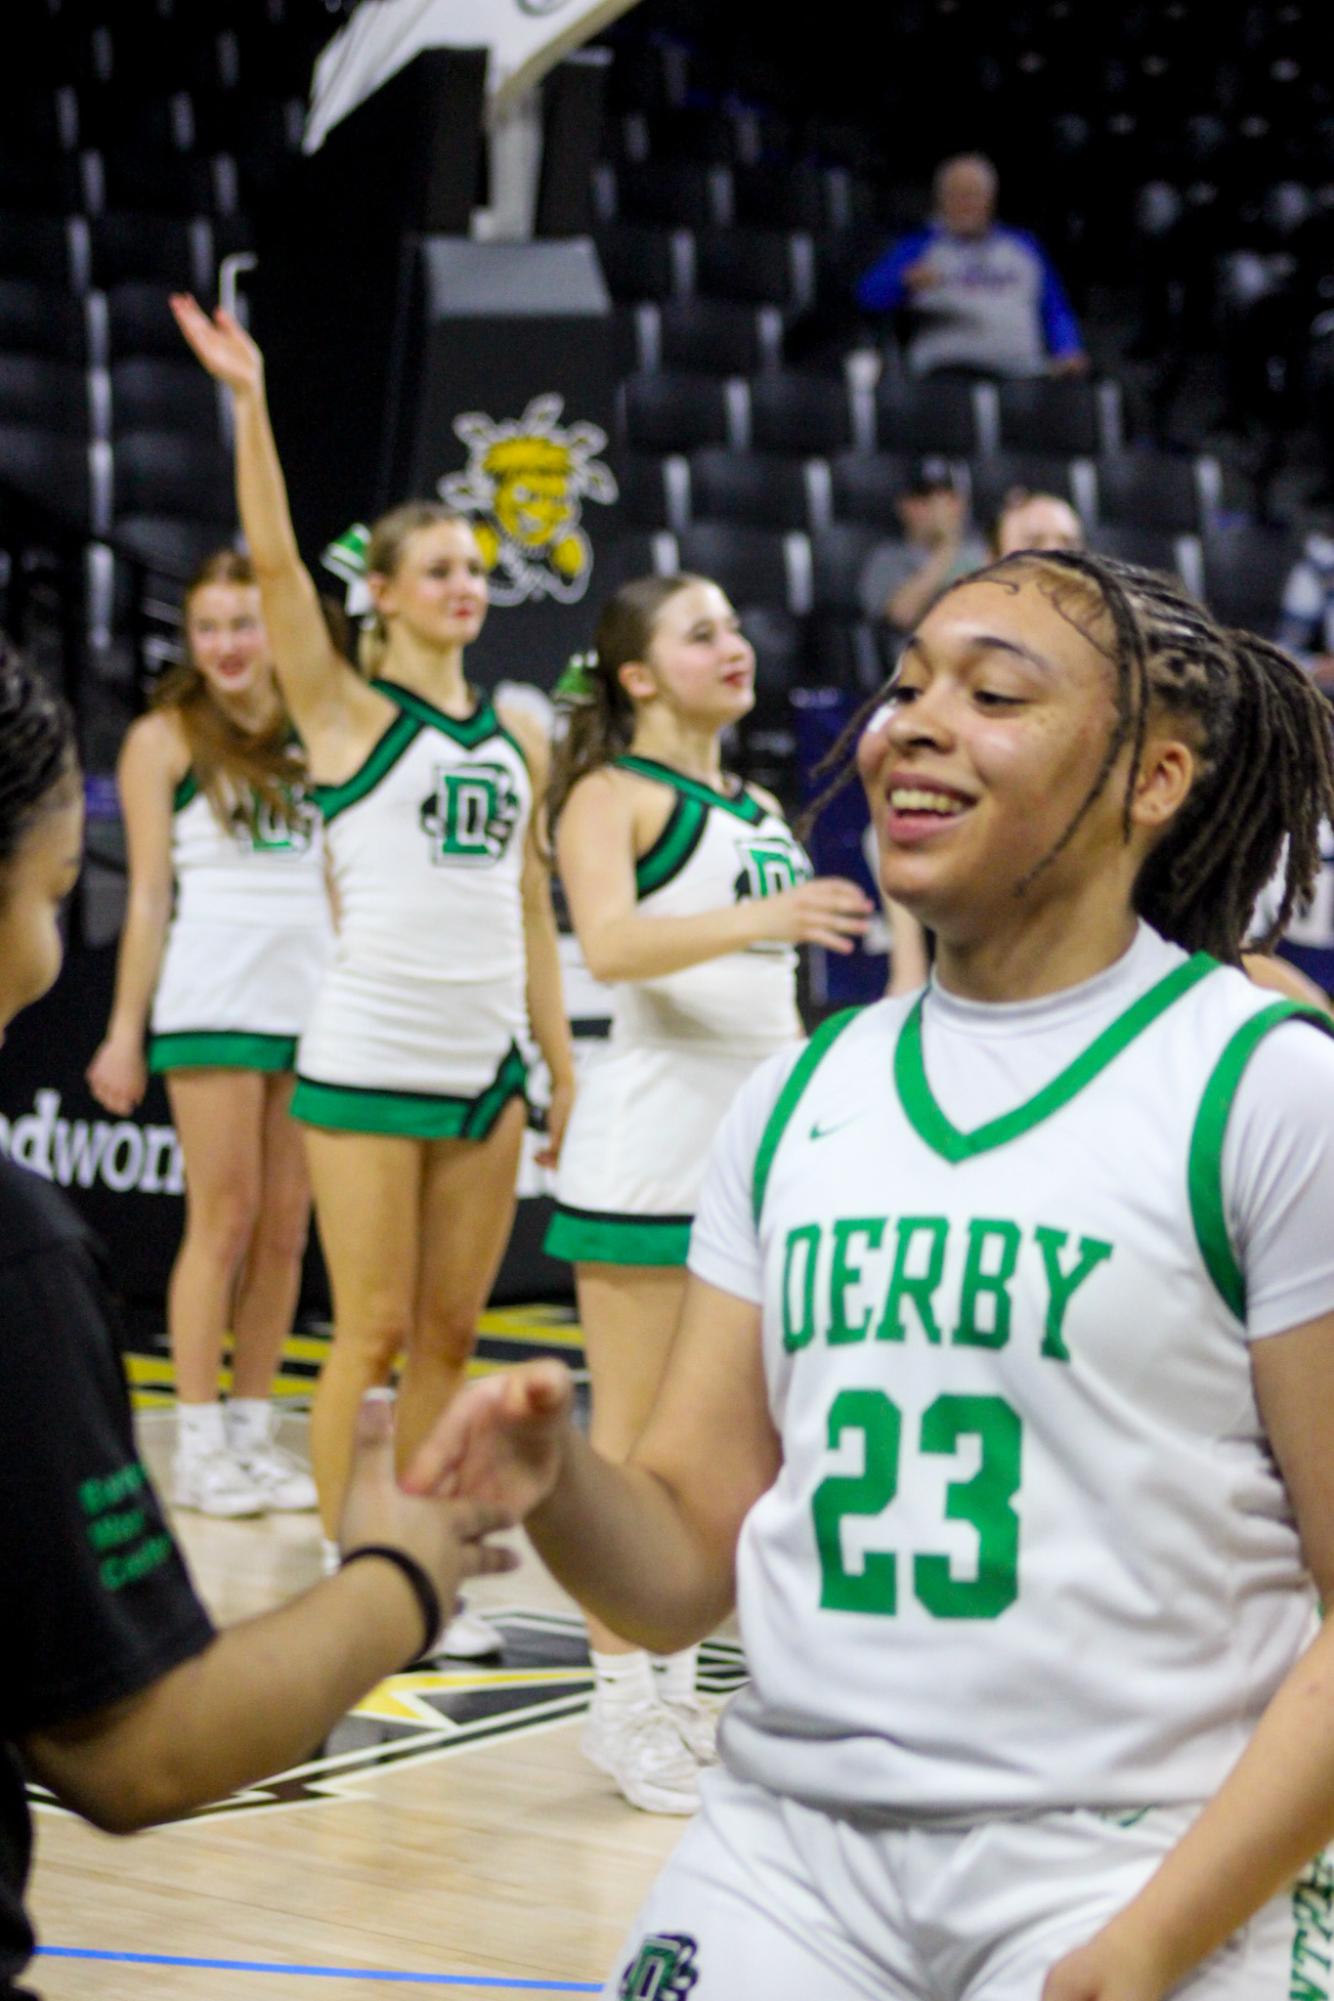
446	1536
502	1440
221	343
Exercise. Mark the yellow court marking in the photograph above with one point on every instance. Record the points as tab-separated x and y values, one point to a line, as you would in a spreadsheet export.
400	1698
152	1379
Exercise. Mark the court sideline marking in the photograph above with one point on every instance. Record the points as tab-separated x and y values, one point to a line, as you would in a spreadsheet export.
487	1980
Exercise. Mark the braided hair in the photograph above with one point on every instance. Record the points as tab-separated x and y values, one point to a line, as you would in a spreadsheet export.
1264	754
38	760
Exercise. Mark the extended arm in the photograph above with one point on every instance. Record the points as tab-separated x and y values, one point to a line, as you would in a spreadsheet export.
596	851
885	287
1276	1808
152	761
650	1546
263	1693
545	988
316	681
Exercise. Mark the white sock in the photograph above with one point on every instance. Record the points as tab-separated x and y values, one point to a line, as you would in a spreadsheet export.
622	1681
249	1423
199	1430
675	1674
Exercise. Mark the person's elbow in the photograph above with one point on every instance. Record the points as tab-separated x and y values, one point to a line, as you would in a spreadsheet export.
605	959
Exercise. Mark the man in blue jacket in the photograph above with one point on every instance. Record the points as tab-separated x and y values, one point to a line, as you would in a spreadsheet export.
984	299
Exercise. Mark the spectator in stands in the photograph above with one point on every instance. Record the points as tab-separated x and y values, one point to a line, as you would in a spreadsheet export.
902	579
1035	521
1306	618
983	298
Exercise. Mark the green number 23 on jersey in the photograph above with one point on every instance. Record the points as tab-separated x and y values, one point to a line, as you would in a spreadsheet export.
984	1501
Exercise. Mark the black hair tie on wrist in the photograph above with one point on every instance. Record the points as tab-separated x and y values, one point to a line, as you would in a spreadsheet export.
423	1589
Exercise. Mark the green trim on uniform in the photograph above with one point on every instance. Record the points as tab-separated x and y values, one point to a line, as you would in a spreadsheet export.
335	799
466	730
221	1049
186	790
673	848
1312	1913
1204	1174
798	1078
743	806
929	1122
594	1236
410	1114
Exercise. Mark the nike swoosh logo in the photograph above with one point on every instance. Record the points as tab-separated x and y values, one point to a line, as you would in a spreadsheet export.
822	1132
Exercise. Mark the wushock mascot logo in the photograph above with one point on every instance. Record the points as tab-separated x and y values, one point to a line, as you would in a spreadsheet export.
524	489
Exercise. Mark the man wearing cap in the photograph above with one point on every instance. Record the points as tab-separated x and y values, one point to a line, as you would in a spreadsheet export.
901	580
984	299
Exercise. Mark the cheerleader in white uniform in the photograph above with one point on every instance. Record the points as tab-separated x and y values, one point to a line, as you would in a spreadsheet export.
411	1081
213	810
690	893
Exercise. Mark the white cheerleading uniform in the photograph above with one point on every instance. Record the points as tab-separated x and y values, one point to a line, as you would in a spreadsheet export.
681	1044
1028	1575
249	936
418	1024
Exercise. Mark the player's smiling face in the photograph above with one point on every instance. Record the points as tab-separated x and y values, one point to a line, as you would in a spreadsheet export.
699	661
988	744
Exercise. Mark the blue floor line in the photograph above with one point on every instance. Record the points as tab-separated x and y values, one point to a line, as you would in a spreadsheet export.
488	1980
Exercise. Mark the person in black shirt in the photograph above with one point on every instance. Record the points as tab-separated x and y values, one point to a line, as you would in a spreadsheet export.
115	1687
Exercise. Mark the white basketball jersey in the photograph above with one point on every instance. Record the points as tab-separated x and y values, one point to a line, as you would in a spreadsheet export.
716	849
426	847
1028	1548
259	869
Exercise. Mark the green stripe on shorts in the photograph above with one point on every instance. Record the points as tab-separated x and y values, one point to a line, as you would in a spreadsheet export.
221	1049
596	1236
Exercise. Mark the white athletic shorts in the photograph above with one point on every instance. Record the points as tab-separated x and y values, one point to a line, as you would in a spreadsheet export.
424	1059
636	1146
236	996
767	1900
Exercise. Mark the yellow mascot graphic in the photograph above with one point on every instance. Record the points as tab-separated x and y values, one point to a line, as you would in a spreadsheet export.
523	489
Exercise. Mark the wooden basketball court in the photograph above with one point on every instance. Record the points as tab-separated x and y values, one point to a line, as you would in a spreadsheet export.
448	1838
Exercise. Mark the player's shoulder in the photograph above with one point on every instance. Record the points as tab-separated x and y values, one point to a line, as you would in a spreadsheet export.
35	1218
841	1042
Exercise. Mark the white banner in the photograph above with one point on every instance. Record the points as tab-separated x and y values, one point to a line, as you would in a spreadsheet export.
524	38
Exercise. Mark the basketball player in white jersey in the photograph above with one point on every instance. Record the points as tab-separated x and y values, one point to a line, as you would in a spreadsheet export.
226	937
1003	1396
410	1072
689	894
